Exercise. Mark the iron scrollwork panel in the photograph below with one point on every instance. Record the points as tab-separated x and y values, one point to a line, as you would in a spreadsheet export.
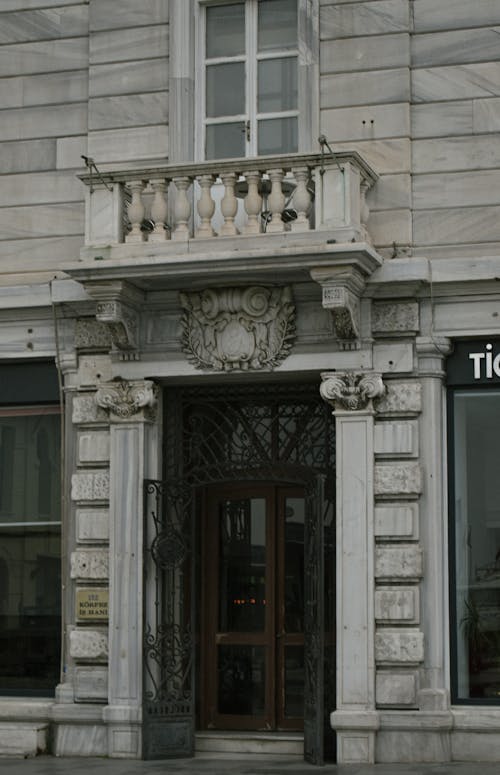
168	705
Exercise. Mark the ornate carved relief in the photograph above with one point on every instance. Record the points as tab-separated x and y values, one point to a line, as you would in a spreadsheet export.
238	328
125	399
121	322
351	390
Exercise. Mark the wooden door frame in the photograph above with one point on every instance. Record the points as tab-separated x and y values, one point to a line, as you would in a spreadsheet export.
273	638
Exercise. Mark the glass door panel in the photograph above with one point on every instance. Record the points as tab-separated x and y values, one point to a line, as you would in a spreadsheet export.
252	608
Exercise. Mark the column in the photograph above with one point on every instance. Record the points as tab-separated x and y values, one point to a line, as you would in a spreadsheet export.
134	443
355	718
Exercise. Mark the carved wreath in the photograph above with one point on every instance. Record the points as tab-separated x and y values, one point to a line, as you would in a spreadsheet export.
238	328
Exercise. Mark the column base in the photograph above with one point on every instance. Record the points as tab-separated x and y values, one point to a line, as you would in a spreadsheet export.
124	731
356	732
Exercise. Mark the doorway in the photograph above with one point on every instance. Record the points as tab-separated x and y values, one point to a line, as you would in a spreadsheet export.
239	568
252	612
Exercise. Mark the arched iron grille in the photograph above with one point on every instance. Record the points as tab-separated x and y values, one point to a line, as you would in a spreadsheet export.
267	434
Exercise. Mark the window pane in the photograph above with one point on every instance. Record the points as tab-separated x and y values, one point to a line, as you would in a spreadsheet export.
278	135
477	544
277	25
242	565
225	141
29	551
225	30
241	672
225	90
277	85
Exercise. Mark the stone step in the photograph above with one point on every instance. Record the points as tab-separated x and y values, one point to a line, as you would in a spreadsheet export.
23	739
233	745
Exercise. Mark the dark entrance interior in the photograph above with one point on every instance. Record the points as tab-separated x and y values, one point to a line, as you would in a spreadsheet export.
252	623
240	568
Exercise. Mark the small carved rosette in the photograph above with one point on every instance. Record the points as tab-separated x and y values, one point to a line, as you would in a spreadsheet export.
238	328
351	391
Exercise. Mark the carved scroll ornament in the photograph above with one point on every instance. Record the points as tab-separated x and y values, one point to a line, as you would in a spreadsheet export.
351	390
238	328
126	399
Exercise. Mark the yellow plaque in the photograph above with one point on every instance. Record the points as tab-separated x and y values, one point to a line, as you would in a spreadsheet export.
92	604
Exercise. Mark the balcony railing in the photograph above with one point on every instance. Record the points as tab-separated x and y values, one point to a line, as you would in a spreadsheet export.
237	198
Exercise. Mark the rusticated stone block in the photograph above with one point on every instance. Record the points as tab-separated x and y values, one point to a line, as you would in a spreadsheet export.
400	398
395	689
93	369
394	521
396	438
91	684
398	562
88	644
397	604
90	486
397	479
391	317
92	525
93	446
86	410
91	564
91	334
399	646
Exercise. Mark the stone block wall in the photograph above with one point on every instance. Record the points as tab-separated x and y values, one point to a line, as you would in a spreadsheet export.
399	641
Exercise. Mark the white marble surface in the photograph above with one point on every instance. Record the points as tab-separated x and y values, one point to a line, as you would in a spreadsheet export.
44	24
456	82
370	18
366	122
130	77
456	153
103	15
456	46
454	14
129	44
456	189
43	56
367	88
24	123
396	521
367	53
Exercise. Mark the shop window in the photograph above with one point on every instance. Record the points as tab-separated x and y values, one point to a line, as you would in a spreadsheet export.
30	553
474	422
248	78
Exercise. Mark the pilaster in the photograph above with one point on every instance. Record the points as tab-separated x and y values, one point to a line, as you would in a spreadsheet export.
134	434
431	354
355	718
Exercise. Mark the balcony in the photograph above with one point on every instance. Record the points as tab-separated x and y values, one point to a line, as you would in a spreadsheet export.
262	202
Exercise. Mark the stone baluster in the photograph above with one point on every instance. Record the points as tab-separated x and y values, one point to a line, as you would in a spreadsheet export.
253	203
135	210
276	202
206	207
182	209
229	204
364	211
159	210
301	199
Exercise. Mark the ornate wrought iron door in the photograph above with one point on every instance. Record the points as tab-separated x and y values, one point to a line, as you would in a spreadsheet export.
274	435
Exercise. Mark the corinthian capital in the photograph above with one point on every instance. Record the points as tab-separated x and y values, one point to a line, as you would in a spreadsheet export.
128	400
350	390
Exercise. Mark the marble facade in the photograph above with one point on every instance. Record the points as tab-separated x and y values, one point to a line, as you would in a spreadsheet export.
373	306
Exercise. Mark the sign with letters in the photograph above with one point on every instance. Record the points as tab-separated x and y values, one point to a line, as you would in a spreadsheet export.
92	604
474	362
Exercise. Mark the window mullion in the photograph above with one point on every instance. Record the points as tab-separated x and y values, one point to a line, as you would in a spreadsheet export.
251	71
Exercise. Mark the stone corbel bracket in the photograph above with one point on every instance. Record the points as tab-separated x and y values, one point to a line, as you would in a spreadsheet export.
116	307
126	400
343	284
351	391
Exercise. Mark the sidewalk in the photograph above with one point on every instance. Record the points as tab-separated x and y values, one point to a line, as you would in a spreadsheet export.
48	765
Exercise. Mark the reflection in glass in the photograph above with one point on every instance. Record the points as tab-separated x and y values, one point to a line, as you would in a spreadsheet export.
225	94
241	680
242	565
277	25
225	30
29	550
294	564
477	543
225	141
277	85
278	135
294	681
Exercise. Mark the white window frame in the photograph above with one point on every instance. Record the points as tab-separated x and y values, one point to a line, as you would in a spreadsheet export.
307	53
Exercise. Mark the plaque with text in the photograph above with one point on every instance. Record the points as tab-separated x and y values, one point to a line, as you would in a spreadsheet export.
92	604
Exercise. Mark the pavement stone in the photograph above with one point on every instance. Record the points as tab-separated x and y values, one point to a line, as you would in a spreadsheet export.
250	765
